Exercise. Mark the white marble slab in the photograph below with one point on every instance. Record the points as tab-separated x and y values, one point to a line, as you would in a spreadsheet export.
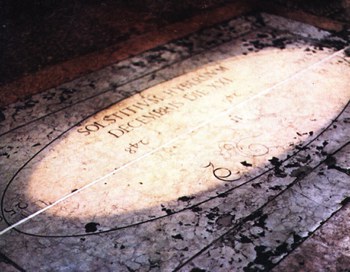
212	155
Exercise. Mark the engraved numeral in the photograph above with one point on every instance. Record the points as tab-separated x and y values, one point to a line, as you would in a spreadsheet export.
17	208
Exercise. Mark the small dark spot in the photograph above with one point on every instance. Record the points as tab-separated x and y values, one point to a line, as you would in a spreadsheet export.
254	215
37	144
222	195
246	164
257	44
279	173
185	198
330	161
2	116
301	172
196	269
260	35
311	133
215	209
168	211
261	234
281	249
256	185
297	238
279	43
301	147
82	239
91	227
74	190
196	209
275	161
261	221
263	257
276	188
211	216
122	247
292	165
66	93
177	237
245	240
319	148
139	63
49	96
5	154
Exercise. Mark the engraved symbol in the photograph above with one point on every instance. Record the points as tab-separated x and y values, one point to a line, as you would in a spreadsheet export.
133	147
243	147
224	174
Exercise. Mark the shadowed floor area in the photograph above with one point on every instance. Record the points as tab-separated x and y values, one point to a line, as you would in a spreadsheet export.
45	43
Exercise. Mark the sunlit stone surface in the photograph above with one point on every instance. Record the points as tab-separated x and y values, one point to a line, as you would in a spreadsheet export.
224	154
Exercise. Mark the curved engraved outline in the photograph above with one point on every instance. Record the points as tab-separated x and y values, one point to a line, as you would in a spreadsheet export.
250	150
223	177
159	217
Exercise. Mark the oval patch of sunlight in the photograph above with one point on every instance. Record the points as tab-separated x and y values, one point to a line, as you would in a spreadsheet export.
182	141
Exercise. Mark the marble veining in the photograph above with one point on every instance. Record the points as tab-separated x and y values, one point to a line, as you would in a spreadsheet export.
221	151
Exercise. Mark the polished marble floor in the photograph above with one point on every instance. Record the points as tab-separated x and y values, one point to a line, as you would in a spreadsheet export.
225	150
